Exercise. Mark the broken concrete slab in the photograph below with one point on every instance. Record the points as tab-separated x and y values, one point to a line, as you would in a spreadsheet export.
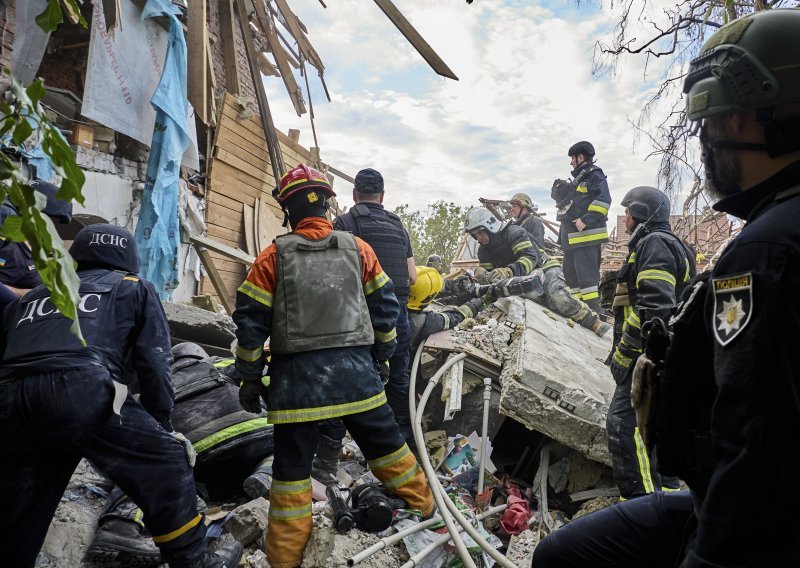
556	381
249	521
215	332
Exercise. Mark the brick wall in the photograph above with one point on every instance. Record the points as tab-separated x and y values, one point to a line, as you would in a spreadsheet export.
6	42
65	69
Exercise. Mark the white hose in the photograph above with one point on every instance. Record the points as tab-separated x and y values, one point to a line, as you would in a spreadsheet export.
433	483
487	395
419	556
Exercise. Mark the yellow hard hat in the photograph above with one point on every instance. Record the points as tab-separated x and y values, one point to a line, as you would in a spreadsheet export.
429	283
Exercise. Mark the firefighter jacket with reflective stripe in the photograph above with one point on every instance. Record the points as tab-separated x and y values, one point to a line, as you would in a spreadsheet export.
309	284
511	247
657	269
119	314
207	409
752	320
427	322
384	232
322	383
535	228
590	203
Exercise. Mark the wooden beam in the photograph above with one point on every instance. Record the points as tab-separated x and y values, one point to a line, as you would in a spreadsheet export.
227	30
300	37
267	69
216	280
415	39
221	248
197	64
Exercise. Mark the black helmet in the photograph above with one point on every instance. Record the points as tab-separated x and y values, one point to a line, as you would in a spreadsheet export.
645	202
582	147
188	349
56	208
105	246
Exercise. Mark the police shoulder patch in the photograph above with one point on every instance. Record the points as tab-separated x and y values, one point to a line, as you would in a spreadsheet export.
733	305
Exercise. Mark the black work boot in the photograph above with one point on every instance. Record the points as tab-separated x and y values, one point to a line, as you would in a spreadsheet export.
121	538
258	483
326	462
227	556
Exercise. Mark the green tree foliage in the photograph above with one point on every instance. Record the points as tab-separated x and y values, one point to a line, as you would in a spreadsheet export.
436	231
21	115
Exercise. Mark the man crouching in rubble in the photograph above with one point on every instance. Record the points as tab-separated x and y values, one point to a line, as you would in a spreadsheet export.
329	311
60	401
507	252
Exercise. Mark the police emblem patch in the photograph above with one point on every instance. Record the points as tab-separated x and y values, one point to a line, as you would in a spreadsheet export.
733	305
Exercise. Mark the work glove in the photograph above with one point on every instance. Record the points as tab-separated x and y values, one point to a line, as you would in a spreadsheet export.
383	370
499	274
643	395
251	393
188	449
383	351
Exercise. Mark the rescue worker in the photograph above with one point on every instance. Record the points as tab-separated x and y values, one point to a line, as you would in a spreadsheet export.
329	311
727	413
17	270
499	247
524	213
435	261
61	401
503	251
656	270
583	207
384	232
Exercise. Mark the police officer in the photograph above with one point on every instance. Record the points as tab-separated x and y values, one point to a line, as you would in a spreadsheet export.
329	311
17	269
523	212
727	414
583	211
656	270
384	232
61	401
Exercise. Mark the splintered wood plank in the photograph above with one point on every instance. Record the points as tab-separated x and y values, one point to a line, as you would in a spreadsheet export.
197	64
228	34
415	39
216	280
300	37
249	228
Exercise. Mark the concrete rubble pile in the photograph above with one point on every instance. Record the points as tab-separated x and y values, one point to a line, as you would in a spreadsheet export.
547	379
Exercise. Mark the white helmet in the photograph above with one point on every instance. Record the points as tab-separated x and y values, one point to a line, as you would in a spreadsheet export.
481	218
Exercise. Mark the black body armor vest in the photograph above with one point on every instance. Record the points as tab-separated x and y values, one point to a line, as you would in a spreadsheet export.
387	237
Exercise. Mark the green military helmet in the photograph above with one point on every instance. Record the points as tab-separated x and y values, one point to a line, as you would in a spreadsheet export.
522	199
751	63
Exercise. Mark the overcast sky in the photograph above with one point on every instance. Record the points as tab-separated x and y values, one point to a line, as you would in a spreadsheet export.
525	94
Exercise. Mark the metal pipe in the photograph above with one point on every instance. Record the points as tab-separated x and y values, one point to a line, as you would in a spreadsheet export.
392	539
487	395
436	487
412	386
414	560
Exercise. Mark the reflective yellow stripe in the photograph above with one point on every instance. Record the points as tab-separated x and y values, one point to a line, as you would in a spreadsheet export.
131	278
551	264
325	412
258	294
248	355
621	359
400	480
465	310
632	258
521	246
289	513
587	236
582	188
390	459
382	337
375	284
290	487
599	207
590	296
527	264
179	531
633	320
228	433
644	461
225	363
655	274
686	276
487	265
